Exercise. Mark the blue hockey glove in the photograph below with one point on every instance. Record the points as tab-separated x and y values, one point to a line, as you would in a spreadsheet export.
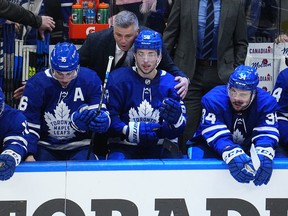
82	118
143	133
7	166
264	172
240	165
170	110
100	123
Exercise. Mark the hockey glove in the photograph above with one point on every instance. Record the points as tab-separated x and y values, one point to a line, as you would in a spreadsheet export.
82	118
100	123
240	165
7	165
264	172
143	133
170	110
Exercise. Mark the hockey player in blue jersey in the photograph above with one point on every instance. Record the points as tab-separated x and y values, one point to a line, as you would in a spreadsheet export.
280	92
234	118
13	136
144	106
60	104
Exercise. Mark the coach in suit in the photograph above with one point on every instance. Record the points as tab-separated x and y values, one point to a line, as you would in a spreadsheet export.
185	39
117	41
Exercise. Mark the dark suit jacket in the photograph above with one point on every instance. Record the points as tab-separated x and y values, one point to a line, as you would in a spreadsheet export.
100	45
180	36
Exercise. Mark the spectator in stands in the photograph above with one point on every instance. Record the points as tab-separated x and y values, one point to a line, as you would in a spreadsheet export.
60	104
234	119
145	108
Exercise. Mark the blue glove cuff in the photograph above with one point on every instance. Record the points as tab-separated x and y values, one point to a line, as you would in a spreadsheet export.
268	152
15	155
229	155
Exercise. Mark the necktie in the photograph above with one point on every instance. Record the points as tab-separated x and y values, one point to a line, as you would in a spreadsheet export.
121	60
208	36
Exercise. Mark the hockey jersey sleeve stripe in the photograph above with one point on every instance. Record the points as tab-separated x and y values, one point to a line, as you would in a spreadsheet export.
266	135
31	125
282	118
213	128
17	138
266	129
34	132
282	114
217	135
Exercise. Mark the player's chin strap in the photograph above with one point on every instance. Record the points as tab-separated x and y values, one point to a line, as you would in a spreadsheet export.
15	155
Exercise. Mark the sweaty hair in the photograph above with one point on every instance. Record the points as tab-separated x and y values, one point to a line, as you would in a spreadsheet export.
125	19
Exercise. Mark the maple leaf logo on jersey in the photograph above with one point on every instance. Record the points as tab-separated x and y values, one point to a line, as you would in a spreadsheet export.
59	124
238	137
146	113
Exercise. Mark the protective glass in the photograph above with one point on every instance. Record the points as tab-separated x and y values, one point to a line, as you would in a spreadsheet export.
67	75
243	95
146	56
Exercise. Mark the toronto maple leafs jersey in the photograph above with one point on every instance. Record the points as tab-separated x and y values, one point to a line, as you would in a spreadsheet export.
280	92
14	131
222	126
48	108
133	98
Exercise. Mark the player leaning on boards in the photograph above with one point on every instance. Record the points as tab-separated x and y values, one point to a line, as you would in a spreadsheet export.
13	136
60	104
144	106
234	118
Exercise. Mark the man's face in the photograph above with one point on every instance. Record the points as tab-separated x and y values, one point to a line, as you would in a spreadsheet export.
125	37
239	98
147	61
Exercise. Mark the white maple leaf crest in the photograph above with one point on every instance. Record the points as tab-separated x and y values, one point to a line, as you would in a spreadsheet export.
145	113
238	137
59	124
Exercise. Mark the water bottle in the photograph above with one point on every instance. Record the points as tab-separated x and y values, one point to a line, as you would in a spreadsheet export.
103	13
90	14
77	14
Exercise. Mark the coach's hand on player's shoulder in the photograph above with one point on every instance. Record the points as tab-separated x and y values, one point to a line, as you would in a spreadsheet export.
100	123
182	86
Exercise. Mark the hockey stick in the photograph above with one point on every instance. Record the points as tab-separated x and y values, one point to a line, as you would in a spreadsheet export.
101	102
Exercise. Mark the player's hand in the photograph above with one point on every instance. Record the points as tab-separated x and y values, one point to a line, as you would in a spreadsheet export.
182	86
240	165
143	133
100	123
7	166
264	172
17	94
30	158
47	24
82	118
